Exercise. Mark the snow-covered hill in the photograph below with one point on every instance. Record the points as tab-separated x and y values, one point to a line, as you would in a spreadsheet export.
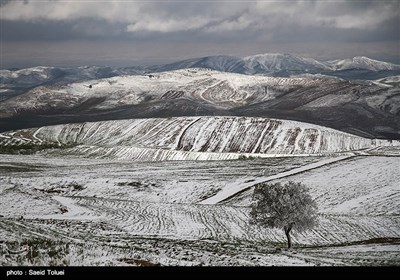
285	65
14	82
361	62
192	138
221	63
224	90
271	63
364	108
31	76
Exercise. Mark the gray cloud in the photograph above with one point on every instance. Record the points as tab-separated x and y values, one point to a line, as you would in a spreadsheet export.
204	23
207	16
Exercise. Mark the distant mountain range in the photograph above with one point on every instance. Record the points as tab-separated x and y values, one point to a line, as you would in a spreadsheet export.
284	65
14	82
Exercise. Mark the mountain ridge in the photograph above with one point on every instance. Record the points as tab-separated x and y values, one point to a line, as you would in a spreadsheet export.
279	64
15	82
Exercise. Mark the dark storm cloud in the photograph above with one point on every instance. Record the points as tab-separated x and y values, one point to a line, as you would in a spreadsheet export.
211	24
212	18
60	30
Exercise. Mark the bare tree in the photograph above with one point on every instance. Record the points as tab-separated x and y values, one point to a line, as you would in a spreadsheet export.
284	206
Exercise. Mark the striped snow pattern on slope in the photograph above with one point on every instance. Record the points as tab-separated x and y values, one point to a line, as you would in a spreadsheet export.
237	135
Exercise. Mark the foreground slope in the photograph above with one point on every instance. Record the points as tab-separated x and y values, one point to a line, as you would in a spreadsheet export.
97	212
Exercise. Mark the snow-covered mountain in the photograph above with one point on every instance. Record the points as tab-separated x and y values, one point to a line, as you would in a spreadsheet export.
192	138
284	65
367	109
209	88
16	82
361	62
220	63
267	64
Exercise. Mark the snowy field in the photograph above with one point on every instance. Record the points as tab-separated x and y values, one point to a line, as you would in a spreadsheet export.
84	211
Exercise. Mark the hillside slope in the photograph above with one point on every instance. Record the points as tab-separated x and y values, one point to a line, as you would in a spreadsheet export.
190	138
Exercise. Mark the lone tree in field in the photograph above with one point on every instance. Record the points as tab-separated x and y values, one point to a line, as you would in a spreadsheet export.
284	206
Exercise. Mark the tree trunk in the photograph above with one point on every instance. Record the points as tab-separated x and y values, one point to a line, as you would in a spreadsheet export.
287	232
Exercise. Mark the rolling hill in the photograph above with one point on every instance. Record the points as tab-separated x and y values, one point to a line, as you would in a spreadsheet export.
191	138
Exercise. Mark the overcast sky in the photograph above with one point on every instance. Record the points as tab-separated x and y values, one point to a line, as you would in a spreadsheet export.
126	33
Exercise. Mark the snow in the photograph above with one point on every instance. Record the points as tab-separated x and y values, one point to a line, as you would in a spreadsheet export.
20	81
231	190
357	186
152	211
280	64
172	191
388	80
277	61
203	91
194	138
40	72
74	211
362	62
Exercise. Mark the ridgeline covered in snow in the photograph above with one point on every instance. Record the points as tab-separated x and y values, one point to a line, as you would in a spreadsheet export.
192	138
